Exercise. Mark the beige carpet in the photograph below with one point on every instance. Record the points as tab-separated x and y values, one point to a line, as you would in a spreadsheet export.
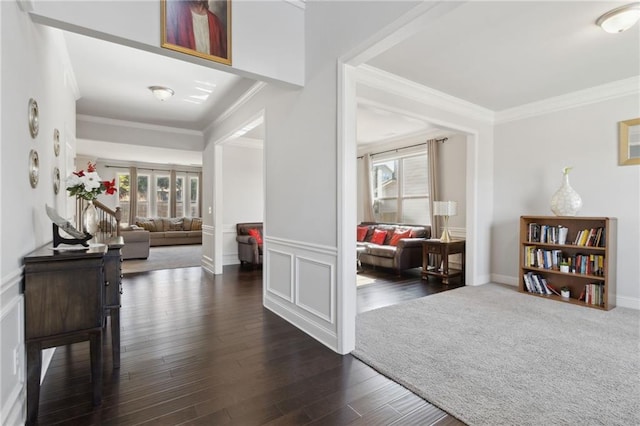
165	257
489	355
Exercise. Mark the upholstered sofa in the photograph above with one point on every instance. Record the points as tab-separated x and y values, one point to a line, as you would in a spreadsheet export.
136	244
249	246
161	232
397	246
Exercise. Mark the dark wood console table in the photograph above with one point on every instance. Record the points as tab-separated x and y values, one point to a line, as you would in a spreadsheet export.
442	250
67	296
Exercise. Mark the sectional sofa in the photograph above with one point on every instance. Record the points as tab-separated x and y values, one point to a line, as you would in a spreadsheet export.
150	232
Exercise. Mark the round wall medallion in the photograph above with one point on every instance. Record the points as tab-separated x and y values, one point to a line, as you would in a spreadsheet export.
34	124
56	180
56	142
34	168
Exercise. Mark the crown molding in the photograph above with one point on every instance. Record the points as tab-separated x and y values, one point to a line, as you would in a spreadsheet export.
136	125
242	142
382	80
246	96
616	89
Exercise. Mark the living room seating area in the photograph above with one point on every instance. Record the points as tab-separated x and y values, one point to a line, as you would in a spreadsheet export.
151	232
396	246
249	238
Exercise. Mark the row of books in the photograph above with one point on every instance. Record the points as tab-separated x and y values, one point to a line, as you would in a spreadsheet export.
589	264
547	234
536	283
594	237
593	294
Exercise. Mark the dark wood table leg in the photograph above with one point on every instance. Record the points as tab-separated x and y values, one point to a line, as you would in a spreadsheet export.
34	370
115	337
463	276
445	265
95	340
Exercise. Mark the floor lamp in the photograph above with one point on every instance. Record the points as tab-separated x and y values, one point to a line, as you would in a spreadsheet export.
445	209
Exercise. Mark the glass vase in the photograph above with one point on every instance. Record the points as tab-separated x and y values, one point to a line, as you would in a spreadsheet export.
90	219
566	201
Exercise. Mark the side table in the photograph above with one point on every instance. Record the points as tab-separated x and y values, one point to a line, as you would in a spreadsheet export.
442	250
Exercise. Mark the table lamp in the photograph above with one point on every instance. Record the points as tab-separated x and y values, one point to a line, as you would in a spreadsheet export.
445	209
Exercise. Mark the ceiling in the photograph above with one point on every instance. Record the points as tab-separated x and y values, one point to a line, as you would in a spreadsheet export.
497	55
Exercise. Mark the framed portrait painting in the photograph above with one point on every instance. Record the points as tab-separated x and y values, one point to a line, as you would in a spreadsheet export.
198	27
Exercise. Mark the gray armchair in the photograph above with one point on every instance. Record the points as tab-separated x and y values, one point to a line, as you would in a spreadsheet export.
249	250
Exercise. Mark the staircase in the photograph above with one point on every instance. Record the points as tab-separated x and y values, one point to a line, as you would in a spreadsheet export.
108	219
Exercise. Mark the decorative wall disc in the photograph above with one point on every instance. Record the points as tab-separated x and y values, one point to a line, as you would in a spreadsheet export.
56	142
56	180
34	168
34	120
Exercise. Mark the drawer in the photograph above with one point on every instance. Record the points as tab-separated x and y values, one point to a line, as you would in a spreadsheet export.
433	249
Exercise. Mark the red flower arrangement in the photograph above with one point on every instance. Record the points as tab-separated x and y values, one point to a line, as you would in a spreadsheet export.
88	185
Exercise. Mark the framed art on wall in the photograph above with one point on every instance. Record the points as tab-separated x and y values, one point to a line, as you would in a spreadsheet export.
629	144
198	27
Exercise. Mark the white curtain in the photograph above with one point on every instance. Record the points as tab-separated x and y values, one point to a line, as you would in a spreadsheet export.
432	156
365	189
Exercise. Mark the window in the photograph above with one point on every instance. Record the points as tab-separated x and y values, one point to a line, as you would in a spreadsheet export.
194	196
163	196
401	189
180	192
156	192
142	204
124	194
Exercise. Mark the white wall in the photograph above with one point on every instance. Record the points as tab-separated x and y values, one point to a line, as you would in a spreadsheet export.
33	66
301	199
529	157
267	37
243	193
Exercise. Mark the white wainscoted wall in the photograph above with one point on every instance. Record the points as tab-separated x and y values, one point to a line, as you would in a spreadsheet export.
300	286
34	65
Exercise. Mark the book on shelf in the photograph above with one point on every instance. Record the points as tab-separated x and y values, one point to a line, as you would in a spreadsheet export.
535	283
594	294
553	289
547	234
593	237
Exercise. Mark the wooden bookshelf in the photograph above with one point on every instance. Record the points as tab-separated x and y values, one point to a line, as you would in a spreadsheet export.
593	262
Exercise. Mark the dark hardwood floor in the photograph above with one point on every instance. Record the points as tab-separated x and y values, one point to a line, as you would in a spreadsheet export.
201	350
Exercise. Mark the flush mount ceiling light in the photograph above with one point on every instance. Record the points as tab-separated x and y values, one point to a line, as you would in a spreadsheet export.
620	19
161	93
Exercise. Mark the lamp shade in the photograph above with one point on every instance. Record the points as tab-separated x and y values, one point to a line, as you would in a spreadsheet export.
620	19
445	208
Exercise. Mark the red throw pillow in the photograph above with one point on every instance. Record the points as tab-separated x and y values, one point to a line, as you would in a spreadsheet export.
255	233
378	236
397	235
362	232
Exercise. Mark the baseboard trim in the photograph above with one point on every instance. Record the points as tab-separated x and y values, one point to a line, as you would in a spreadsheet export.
322	335
628	302
504	279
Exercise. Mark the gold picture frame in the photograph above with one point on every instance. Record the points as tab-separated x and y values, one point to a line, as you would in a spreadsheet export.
629	142
177	22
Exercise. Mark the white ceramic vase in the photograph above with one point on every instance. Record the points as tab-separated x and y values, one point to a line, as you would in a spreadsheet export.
90	219
566	201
